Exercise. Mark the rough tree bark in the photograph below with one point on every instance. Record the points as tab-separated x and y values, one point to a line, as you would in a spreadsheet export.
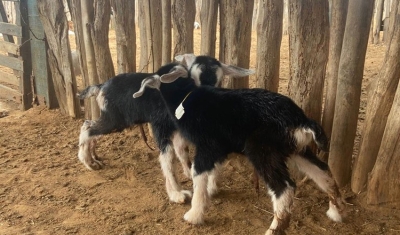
198	4
386	14
384	185
269	37
285	23
308	53
153	33
144	58
338	23
99	29
183	13
55	25
92	78
76	16
235	37
391	19
379	103
349	89
255	14
124	15
166	31
208	18
378	20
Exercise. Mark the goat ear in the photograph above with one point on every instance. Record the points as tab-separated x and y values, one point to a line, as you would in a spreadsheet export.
186	59
177	72
234	71
152	82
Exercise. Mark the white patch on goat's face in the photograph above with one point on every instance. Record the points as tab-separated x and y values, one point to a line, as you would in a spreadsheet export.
195	73
220	76
303	137
101	101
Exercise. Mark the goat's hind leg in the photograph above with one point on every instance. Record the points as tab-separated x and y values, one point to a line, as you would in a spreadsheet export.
271	166
87	144
182	152
319	172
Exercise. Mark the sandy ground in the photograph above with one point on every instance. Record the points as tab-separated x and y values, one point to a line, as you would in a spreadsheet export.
44	189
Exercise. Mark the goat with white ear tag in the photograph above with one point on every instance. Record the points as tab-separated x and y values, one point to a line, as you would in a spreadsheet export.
119	111
269	128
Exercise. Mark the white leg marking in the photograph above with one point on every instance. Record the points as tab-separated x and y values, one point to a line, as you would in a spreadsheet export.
320	177
333	213
85	143
212	187
200	199
174	191
326	183
182	152
282	210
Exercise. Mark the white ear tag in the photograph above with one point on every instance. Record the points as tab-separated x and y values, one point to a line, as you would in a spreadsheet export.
179	111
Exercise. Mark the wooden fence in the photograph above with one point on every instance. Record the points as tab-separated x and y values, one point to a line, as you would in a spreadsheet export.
24	77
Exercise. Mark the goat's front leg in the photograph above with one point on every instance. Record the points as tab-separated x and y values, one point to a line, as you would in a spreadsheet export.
212	187
200	198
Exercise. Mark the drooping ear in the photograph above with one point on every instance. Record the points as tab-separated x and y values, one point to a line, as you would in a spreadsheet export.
152	82
231	70
186	59
177	72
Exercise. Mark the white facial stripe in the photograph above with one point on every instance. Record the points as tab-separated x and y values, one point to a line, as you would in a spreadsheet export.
220	76
195	73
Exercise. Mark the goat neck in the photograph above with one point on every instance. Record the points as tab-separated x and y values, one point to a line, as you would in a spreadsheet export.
174	93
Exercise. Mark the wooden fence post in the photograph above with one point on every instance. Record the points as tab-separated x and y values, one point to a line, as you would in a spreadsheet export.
56	28
183	13
348	93
235	37
25	77
269	37
380	101
208	18
308	52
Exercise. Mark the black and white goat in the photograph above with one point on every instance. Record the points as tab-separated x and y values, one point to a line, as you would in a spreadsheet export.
269	128
119	111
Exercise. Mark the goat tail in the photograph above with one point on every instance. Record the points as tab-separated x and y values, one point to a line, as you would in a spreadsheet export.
90	91
319	135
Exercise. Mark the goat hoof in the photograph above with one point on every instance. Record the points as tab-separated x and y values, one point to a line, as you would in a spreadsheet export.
180	196
193	217
275	232
95	165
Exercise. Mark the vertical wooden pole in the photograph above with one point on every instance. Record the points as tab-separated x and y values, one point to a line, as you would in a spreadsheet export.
235	36
348	93
269	37
25	81
208	18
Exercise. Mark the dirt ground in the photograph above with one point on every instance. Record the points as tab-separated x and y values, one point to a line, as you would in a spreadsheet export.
44	189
